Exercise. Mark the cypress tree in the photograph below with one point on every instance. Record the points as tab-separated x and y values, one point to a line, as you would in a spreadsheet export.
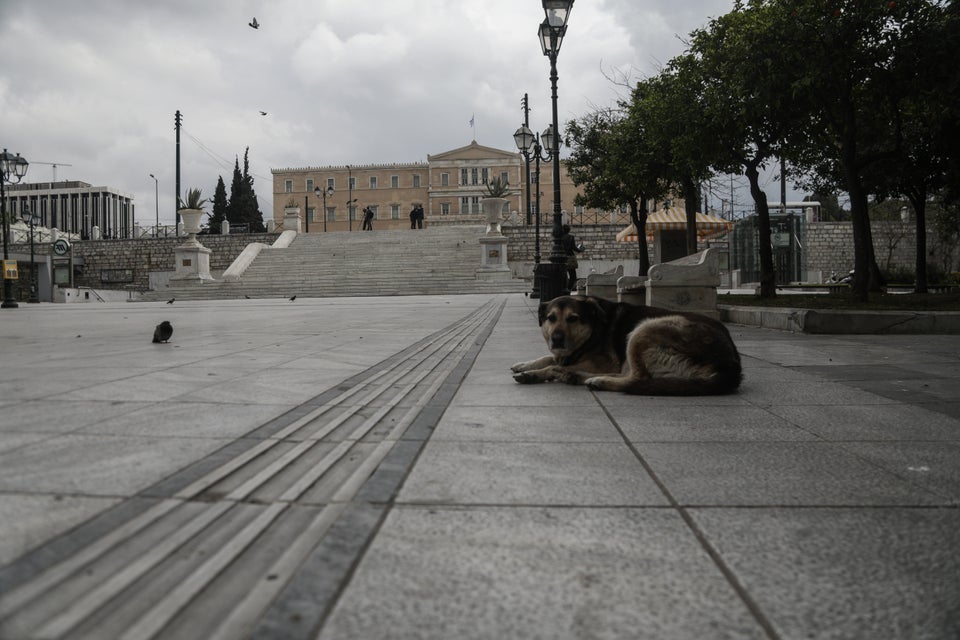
219	207
234	210
251	208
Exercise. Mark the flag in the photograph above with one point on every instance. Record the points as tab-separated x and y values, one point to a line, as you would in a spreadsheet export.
471	121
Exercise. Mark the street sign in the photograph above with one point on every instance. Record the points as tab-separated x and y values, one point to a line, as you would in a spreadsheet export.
61	247
10	270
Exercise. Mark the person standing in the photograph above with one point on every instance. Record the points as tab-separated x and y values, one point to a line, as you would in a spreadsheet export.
413	217
570	249
367	219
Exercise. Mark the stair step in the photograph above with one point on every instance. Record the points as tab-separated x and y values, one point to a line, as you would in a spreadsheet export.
437	260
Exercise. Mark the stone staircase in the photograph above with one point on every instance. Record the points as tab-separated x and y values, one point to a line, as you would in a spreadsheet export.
435	260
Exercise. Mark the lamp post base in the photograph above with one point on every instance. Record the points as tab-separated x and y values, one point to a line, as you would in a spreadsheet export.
9	302
552	277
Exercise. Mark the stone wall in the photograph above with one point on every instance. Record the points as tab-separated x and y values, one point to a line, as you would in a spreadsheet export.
127	264
829	247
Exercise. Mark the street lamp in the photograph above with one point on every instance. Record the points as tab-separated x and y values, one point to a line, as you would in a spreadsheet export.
323	193
156	200
12	168
551	32
529	145
32	219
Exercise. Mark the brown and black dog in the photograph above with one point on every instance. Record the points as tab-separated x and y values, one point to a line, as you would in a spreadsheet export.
615	346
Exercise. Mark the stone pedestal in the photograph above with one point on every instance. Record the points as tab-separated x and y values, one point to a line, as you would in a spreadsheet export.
192	258
291	219
193	262
493	259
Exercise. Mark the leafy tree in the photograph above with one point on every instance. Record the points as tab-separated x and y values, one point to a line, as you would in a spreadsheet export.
928	84
219	207
671	109
613	162
845	56
747	103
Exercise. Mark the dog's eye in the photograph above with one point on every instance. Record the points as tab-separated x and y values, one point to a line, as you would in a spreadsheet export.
552	317
573	319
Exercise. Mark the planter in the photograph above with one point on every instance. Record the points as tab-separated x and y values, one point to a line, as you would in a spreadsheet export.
191	221
493	213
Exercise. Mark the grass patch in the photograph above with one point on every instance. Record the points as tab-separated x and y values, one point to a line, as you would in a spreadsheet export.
877	301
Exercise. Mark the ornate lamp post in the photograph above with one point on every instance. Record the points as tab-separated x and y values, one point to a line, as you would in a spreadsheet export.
12	169
156	200
529	144
324	193
32	219
552	29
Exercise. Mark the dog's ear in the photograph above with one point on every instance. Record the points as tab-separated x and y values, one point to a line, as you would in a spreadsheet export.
594	308
542	313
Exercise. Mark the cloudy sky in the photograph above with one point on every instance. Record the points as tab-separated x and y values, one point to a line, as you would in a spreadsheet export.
93	86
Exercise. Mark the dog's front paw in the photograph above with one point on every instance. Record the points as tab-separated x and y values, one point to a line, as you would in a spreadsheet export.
518	367
527	378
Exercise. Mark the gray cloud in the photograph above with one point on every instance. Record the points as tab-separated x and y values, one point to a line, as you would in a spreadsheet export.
96	84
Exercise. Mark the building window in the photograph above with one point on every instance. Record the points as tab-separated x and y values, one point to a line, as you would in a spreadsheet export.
465	204
331	214
288	186
394	182
331	183
353	212
444	179
311	214
395	210
416	181
310	185
373	182
475	204
463	176
474	176
484	175
444	208
352	183
504	177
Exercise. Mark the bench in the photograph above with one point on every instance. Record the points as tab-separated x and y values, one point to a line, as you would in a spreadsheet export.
687	284
604	285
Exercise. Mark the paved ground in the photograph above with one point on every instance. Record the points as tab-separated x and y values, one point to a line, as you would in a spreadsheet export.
367	468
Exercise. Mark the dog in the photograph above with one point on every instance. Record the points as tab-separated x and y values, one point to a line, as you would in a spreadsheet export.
615	346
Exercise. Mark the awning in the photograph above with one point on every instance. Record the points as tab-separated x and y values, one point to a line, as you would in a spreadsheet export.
708	226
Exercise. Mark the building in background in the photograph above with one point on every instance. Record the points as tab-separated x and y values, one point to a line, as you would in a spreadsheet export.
75	207
449	186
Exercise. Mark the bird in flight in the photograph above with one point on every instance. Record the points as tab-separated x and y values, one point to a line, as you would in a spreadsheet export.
263	113
254	24
163	331
292	298
170	301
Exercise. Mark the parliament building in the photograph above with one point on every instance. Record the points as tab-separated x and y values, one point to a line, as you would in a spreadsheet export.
448	185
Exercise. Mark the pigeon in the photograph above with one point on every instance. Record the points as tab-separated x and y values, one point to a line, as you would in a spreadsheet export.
254	24
163	331
246	296
263	113
170	301
292	298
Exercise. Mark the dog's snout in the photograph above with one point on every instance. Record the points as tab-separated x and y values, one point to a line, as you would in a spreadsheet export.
557	339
